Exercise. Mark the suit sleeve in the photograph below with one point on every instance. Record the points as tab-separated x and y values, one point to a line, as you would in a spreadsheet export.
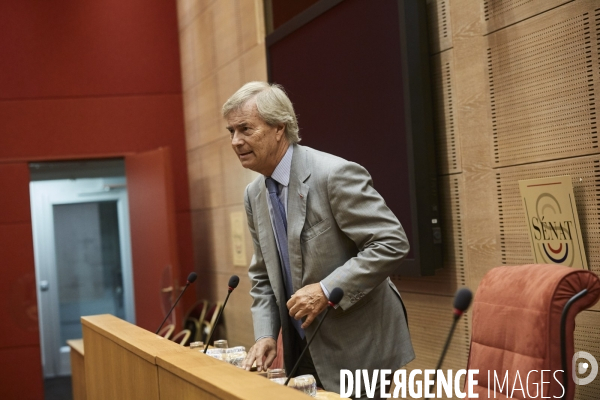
361	213
265	313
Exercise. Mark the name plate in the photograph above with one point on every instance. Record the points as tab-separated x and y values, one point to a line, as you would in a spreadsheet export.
552	221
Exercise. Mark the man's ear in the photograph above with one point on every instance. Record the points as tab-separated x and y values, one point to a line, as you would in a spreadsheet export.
280	131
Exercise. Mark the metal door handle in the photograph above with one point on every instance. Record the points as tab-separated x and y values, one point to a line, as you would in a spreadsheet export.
44	286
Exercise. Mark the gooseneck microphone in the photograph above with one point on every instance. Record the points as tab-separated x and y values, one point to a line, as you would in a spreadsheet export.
334	298
233	283
191	278
462	301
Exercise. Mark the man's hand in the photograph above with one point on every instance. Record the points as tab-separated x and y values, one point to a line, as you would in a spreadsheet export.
307	302
263	352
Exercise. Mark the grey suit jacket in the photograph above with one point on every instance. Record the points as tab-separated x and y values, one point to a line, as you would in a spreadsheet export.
340	232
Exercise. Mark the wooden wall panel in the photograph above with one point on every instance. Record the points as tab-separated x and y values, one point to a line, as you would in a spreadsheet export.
205	51
543	76
440	27
206	176
446	134
210	127
587	338
453	275
430	319
225	45
186	48
471	119
187	10
501	13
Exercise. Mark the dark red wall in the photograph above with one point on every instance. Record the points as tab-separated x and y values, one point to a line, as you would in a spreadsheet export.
79	79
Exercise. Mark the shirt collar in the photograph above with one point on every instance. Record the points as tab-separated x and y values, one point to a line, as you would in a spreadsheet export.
283	169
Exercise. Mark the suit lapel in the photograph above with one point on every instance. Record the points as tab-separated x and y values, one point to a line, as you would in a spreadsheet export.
296	214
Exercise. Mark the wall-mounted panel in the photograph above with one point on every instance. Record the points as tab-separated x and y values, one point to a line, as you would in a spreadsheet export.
18	304
444	109
501	13
440	28
21	376
14	180
585	176
543	77
587	338
453	275
72	48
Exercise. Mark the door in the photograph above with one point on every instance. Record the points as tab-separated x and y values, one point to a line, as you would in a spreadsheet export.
153	235
82	257
20	360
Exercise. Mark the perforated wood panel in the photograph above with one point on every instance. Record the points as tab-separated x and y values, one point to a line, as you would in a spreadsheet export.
440	29
430	319
587	338
452	276
501	13
447	138
585	176
543	77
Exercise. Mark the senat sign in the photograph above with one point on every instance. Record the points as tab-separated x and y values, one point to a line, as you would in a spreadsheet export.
552	221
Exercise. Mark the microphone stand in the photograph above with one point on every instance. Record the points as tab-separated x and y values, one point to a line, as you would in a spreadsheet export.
306	348
457	315
212	330
174	304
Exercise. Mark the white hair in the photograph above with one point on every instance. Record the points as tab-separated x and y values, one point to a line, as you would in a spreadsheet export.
272	103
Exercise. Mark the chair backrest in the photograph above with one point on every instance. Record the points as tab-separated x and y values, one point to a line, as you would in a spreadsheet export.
182	337
166	331
197	311
193	325
210	318
516	328
193	319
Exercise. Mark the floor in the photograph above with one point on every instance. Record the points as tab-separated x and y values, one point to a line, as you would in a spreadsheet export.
58	388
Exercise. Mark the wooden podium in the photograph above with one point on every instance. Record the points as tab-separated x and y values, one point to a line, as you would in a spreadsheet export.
123	361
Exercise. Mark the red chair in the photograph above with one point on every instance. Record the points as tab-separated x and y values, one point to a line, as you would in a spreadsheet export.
517	313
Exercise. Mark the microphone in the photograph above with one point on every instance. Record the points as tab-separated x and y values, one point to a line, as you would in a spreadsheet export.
462	301
233	283
334	298
190	279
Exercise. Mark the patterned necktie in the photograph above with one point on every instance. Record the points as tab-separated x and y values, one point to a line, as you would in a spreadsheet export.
280	223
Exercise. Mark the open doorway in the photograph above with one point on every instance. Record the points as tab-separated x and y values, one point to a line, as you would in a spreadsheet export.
80	222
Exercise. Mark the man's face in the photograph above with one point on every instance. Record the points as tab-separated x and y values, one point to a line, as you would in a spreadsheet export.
258	145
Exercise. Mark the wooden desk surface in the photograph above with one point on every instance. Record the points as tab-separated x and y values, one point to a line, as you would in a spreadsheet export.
323	395
143	343
76	345
223	380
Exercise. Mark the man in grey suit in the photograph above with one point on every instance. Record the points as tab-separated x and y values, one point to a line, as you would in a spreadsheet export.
317	223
